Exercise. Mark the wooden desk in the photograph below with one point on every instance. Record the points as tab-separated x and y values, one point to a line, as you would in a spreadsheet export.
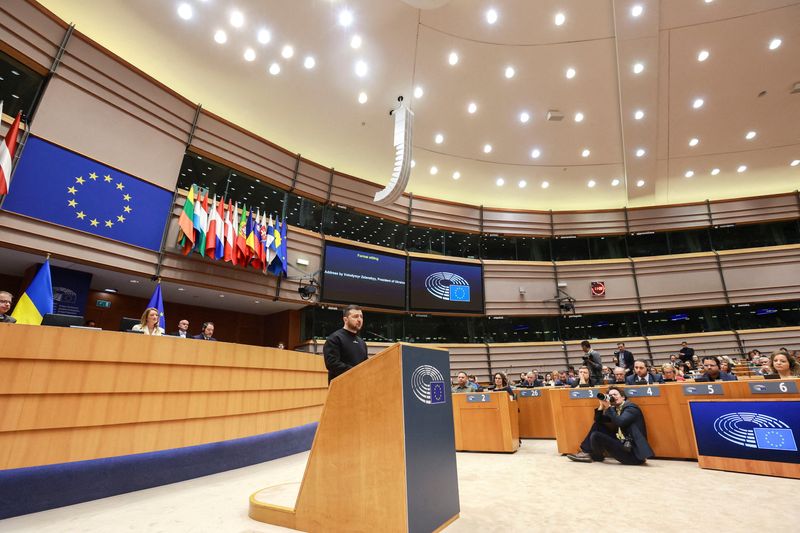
486	422
535	413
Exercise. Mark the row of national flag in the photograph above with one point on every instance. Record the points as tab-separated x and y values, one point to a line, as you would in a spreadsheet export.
215	229
7	148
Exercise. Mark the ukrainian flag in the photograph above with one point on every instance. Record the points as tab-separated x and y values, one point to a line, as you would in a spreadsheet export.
37	300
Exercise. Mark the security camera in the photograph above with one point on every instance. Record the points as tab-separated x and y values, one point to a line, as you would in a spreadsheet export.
307	291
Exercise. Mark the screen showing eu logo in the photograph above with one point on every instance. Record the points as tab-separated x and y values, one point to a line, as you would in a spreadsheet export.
445	286
59	186
763	431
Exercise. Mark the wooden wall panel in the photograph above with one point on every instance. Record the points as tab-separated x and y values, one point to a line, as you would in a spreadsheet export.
688	280
469	358
668	217
313	180
762	274
30	32
584	223
618	276
432	213
514	358
769	339
360	194
507	222
502	283
606	347
761	209
713	343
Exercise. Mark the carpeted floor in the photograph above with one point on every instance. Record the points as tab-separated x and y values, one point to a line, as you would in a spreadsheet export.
534	489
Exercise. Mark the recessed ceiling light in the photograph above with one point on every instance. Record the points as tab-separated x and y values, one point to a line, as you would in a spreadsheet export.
703	55
264	36
591	183
309	62
274	69
418	92
362	98
221	295
181	289
522	184
509	73
434	170
439	139
185	11
220	36
774	43
570	73
545	184
287	51
585	152
535	153
640	183
560	19
256	301
698	103
578	117
472	107
694	141
636	10
413	163
500	182
795	163
638	114
345	17
250	55
688	174
640	152
638	68
524	117
708	1
355	41
614	182
741	168
750	135
452	58
487	148
714	171
456	175
361	68
491	16
237	19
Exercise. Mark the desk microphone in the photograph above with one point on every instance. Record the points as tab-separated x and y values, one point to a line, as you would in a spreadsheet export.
379	336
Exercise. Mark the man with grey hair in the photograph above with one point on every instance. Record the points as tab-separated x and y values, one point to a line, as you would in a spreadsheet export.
619	375
5	306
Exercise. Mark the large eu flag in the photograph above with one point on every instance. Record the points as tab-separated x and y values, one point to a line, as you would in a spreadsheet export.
62	187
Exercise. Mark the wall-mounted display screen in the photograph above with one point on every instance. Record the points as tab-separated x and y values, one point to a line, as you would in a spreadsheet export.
363	277
446	286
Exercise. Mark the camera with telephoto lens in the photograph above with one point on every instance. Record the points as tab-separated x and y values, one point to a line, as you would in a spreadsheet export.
603	397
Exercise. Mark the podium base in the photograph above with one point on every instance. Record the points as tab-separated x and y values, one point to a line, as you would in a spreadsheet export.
275	505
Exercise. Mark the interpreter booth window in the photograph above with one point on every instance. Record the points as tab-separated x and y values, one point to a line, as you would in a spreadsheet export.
691	320
433	328
730	237
607	247
570	248
497	247
647	243
425	240
599	326
765	315
521	329
532	248
382	327
340	221
304	213
458	244
318	323
688	241
19	86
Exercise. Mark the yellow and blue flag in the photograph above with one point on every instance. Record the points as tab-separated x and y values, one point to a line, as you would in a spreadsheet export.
37	300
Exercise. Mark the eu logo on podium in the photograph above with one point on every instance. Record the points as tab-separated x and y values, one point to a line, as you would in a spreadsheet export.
437	392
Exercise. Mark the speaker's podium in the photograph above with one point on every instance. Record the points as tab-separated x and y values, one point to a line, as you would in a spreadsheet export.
486	422
383	457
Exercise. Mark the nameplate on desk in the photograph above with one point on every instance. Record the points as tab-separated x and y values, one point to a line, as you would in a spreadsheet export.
478	398
703	389
638	392
528	393
774	387
582	394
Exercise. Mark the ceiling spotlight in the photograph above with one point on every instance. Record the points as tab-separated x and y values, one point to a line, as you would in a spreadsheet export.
249	55
545	184
345	17
355	41
274	69
640	152
638	115
714	171
309	62
688	174
591	183
509	73
264	36
698	103
452	58
491	16
560	19
614	182
750	135
362	98
434	170
456	175
774	43
361	69
578	117
703	55
636	10
535	153
638	68
795	163
220	36
418	92
472	107
500	182
287	51
524	117
741	168
640	183
570	73
585	152
237	19
185	11
439	139
694	141
487	148
522	184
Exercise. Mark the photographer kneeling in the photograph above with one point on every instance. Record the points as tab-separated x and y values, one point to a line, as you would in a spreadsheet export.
618	431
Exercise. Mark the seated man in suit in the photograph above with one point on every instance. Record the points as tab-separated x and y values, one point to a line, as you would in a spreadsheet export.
619	375
641	376
585	379
618	431
712	370
183	329
531	380
207	333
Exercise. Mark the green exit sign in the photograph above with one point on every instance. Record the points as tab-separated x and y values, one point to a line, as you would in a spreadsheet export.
103	304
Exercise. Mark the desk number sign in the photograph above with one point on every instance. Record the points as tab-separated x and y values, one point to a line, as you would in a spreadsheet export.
639	392
583	394
703	389
479	398
529	393
774	387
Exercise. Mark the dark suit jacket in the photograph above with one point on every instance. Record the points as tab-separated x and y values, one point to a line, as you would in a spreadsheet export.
723	376
631	421
625	360
536	383
177	334
631	380
200	337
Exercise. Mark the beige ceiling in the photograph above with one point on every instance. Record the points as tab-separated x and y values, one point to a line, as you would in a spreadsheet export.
316	112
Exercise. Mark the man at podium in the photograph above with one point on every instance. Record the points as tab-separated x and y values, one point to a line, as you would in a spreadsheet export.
344	349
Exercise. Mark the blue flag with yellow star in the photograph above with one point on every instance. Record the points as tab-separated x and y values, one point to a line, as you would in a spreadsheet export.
59	186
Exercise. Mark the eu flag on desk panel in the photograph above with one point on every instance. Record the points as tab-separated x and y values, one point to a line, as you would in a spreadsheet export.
59	186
